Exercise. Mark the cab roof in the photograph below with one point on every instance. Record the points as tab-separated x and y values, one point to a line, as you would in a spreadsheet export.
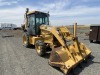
34	12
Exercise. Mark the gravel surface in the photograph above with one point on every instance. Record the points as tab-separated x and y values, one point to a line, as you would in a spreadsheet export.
18	60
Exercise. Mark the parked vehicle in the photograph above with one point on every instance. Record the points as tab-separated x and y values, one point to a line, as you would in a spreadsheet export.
8	26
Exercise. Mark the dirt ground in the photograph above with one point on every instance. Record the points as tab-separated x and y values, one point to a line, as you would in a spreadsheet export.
15	59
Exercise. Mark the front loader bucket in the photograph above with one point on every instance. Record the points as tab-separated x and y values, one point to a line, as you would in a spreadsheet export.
67	59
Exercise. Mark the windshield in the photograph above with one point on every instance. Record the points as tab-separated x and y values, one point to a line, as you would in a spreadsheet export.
42	19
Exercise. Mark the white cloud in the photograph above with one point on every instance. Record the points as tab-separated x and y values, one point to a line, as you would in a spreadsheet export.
59	16
7	2
77	11
59	8
57	5
13	15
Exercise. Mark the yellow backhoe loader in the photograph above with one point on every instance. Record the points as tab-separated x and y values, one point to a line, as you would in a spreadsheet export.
66	51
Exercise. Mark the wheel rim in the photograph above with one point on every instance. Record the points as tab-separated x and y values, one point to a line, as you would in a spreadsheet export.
38	48
25	39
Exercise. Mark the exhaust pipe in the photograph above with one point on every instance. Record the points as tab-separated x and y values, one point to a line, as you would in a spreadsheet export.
75	29
27	10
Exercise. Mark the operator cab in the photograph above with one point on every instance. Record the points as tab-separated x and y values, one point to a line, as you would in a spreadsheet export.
34	20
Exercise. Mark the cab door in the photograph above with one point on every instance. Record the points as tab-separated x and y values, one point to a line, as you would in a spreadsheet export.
31	24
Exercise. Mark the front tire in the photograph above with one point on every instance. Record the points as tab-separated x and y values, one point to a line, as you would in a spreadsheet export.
40	47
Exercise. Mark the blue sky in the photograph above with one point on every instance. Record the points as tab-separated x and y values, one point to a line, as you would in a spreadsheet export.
62	12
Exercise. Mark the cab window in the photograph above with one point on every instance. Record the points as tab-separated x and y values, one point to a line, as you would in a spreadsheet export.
31	20
41	19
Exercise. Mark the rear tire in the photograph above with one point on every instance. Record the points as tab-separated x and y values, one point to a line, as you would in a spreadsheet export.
26	42
40	47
